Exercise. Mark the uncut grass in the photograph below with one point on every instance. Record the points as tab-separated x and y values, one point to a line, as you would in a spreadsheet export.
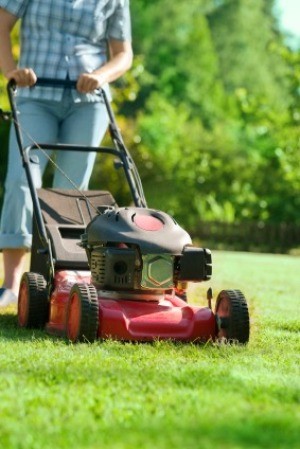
110	394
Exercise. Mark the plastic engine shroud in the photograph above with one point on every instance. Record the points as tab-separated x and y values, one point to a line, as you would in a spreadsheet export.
153	231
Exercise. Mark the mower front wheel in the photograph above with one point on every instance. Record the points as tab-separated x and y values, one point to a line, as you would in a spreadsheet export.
232	317
33	305
82	314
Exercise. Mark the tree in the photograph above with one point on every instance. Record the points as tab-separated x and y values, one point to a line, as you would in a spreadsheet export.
219	99
243	33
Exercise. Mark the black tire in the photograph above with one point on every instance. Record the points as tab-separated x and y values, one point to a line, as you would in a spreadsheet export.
82	321
33	305
232	317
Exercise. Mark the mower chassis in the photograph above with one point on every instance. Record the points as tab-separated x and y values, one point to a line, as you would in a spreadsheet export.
165	317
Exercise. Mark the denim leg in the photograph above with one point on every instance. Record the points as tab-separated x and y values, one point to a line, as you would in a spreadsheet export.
85	124
16	221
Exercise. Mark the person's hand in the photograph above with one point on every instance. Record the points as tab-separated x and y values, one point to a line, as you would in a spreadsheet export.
88	82
23	77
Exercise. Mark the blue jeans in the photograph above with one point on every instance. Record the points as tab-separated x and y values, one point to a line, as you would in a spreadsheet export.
46	121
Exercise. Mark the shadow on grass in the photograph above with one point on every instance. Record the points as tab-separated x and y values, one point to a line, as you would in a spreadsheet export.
9	330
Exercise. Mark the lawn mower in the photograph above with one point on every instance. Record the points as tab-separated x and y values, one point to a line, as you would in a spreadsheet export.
101	271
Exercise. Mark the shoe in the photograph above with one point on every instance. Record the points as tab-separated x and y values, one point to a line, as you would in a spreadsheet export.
7	297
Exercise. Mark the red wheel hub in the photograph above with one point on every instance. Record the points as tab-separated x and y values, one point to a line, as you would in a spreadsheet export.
74	317
224	311
23	305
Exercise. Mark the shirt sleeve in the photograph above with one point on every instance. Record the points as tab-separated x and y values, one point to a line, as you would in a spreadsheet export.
15	7
119	24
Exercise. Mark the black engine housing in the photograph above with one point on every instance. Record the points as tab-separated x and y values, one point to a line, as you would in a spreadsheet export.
142	249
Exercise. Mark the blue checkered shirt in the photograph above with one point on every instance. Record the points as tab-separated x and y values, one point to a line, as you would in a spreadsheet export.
64	38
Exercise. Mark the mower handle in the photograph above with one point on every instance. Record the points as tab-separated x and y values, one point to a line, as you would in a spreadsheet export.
130	169
51	82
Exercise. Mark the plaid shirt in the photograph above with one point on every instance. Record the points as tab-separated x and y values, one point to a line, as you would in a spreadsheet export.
61	38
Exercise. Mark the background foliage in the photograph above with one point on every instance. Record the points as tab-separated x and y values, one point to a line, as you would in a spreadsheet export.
211	112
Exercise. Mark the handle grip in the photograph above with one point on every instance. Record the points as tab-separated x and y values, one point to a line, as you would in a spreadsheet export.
51	82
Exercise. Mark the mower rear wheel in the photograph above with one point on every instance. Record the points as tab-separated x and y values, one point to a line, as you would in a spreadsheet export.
82	313
33	305
232	317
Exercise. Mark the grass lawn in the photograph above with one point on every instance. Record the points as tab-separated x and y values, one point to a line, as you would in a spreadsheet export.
163	395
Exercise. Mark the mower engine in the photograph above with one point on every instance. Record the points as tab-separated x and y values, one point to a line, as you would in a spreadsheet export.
140	249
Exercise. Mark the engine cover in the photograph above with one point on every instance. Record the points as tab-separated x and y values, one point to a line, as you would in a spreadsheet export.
151	230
